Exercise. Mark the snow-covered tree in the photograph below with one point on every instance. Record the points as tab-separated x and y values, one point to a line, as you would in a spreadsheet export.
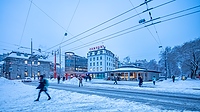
181	60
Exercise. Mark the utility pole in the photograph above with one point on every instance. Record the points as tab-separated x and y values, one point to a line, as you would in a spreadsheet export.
165	65
55	65
31	58
60	59
165	59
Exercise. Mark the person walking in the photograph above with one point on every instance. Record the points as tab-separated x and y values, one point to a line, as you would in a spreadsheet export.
154	80
173	78
90	78
58	79
140	80
43	87
80	81
115	79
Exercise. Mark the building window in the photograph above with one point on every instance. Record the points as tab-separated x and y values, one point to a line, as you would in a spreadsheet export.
101	52
93	58
97	63
97	68
90	64
93	63
100	68
94	69
90	59
100	63
38	63
97	58
26	62
100	57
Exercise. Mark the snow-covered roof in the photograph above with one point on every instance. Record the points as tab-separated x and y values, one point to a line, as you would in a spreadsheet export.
128	69
14	55
25	56
132	69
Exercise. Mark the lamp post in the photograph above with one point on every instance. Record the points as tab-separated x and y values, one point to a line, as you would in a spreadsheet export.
31	58
59	52
165	53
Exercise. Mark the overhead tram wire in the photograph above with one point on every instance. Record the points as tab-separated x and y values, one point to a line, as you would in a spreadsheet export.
76	48
144	23
117	23
51	18
71	18
150	15
25	22
141	28
99	25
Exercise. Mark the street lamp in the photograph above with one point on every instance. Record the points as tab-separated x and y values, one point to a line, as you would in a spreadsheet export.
165	53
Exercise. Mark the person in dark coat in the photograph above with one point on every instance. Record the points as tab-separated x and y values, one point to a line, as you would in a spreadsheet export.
58	79
43	87
115	79
140	80
90	78
173	78
80	81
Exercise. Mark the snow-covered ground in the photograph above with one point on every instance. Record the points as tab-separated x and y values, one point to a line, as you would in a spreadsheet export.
16	96
189	86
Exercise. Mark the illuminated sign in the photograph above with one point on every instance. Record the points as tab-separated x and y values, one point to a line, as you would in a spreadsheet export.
97	48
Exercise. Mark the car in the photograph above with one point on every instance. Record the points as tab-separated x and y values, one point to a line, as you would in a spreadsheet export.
27	79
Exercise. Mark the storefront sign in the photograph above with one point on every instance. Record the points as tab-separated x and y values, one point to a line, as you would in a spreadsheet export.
97	48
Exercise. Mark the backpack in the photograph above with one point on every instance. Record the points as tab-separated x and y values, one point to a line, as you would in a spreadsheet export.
46	82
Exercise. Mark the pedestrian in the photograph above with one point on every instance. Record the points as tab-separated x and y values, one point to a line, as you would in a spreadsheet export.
58	78
173	78
63	78
80	81
154	80
90	78
140	80
86	77
43	87
115	79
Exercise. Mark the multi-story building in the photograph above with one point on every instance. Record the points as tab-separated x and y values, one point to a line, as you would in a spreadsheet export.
75	64
18	65
101	60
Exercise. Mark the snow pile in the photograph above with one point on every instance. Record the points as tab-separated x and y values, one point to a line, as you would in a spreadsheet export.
73	81
4	81
19	97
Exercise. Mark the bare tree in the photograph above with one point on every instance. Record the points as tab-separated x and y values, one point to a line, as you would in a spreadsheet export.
182	60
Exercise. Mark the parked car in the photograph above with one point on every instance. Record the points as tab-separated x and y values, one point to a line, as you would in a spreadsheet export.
27	79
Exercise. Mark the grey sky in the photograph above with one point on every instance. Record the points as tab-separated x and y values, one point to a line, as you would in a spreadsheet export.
45	31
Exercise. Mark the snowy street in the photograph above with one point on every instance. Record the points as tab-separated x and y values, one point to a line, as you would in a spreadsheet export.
163	100
101	96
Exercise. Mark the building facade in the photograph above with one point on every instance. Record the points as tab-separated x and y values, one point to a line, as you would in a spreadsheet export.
131	73
18	65
75	64
101	60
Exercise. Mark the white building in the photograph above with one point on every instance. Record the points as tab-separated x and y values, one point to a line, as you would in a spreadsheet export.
101	60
